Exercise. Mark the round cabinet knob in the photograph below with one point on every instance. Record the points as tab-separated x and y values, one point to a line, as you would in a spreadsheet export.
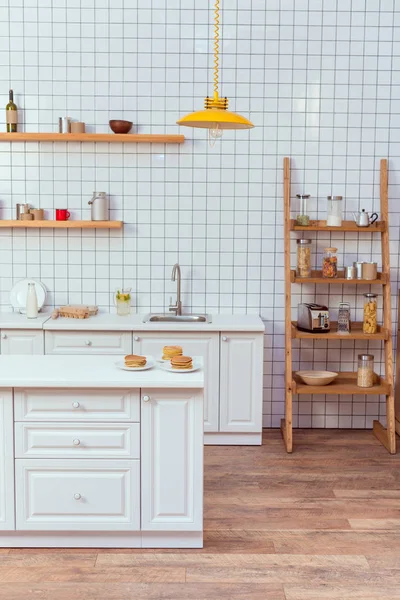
146	398
3	336
88	343
224	338
75	404
136	338
77	496
76	442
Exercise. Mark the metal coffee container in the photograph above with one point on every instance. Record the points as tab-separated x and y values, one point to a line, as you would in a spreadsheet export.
350	273
366	270
99	206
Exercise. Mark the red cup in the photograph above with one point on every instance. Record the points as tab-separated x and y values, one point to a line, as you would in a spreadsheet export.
62	214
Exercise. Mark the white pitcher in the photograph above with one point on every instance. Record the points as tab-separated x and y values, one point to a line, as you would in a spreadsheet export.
99	207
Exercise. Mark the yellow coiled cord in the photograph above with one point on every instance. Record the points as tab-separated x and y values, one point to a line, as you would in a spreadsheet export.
216	47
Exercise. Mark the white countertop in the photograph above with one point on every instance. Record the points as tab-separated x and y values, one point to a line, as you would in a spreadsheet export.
87	372
112	322
14	320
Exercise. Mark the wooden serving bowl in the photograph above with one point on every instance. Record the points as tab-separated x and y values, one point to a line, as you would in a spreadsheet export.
119	126
317	377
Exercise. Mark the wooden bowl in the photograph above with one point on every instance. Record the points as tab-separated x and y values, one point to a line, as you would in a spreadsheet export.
317	377
118	126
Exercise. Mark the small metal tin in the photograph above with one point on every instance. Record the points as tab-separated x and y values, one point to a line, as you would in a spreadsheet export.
358	268
350	273
64	125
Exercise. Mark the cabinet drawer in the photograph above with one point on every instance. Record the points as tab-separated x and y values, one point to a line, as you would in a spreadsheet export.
54	404
88	342
46	440
59	495
22	341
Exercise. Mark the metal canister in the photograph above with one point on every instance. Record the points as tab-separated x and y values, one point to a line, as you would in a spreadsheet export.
350	273
358	267
99	206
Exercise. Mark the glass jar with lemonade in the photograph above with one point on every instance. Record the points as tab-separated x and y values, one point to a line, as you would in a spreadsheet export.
122	300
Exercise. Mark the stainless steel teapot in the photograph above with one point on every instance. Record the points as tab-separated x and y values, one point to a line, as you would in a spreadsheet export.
363	219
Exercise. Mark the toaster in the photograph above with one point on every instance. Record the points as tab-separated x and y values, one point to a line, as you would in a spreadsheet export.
313	318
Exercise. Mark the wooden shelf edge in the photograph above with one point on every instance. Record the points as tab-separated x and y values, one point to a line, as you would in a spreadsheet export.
13	224
316	277
135	138
344	384
380	226
356	333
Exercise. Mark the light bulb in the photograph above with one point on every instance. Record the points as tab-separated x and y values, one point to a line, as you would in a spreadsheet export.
214	134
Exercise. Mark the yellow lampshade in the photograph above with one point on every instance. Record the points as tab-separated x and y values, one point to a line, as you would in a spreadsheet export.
210	118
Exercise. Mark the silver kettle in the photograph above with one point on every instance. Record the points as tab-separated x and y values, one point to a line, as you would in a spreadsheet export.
99	207
363	219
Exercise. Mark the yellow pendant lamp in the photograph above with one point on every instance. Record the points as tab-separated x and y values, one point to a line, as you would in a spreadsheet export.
215	117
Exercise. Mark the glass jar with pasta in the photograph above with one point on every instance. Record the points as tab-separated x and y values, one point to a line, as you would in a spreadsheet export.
329	263
303	258
370	324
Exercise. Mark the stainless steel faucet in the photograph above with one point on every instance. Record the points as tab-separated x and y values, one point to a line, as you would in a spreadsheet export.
176	276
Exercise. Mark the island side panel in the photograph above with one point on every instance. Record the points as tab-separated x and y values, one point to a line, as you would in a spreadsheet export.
172	460
7	513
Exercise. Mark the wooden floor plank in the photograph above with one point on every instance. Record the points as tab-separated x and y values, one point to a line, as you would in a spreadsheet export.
109	574
48	559
336	542
372	524
360	592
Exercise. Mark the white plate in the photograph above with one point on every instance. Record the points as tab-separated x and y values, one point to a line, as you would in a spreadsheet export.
167	367
162	360
120	364
20	290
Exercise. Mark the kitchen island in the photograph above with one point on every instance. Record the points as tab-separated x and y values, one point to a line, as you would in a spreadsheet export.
95	456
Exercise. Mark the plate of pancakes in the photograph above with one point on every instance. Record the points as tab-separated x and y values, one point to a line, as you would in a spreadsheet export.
135	362
181	364
169	352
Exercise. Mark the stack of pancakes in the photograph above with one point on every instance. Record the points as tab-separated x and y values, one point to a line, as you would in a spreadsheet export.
171	351
134	360
181	362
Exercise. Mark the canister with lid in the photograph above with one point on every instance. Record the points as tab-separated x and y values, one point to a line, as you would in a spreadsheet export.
365	371
370	323
303	258
334	212
329	263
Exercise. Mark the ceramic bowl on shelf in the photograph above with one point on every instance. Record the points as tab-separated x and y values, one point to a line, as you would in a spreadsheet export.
118	126
317	377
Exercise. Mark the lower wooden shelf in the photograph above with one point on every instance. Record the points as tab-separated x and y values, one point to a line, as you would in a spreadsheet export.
61	224
316	277
356	333
345	383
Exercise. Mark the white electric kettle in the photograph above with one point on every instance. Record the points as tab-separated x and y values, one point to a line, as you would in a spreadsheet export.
99	207
363	219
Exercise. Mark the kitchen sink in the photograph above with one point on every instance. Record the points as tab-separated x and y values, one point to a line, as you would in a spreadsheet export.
168	318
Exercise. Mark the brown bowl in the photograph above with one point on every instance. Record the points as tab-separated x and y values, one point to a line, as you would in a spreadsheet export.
118	126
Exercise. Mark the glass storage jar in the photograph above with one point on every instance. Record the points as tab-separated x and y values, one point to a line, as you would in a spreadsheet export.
302	216
365	371
303	258
370	313
334	212
329	263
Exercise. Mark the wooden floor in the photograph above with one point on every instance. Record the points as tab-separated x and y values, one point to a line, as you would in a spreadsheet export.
322	523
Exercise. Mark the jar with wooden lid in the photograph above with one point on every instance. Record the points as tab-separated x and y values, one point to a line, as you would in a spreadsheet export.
303	258
365	371
329	263
302	217
370	323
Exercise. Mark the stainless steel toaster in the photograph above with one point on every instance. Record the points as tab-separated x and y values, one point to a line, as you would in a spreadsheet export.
313	318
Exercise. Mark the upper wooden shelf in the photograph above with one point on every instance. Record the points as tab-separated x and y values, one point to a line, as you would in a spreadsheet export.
345	226
356	333
345	383
62	224
316	277
135	138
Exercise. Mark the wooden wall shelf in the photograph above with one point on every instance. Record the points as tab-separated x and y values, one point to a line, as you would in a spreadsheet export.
61	224
135	138
346	226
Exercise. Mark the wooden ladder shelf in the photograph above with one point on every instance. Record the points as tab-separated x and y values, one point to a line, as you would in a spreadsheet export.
346	383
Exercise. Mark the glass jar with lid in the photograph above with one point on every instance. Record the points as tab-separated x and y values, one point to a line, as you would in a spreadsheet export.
370	323
303	258
365	371
302	216
329	263
334	212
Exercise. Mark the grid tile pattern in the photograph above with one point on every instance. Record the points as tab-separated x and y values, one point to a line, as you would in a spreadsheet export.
320	80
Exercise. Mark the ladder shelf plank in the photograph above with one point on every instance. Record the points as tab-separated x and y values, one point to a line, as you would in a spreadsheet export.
316	277
356	333
345	383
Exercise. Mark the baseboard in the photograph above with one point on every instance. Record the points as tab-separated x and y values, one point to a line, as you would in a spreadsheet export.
232	439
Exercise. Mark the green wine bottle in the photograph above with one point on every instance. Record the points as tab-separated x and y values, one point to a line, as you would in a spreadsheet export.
11	114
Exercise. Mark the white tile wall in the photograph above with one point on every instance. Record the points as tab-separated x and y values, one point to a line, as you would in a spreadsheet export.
319	79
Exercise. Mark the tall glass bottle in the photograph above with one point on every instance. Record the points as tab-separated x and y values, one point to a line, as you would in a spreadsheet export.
11	114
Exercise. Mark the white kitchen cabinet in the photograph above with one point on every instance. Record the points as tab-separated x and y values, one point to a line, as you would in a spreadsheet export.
172	460
88	342
22	341
84	495
241	373
202	344
7	520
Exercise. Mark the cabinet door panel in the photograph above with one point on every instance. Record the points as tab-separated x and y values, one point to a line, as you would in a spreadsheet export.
21	341
205	345
172	460
241	382
7	520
